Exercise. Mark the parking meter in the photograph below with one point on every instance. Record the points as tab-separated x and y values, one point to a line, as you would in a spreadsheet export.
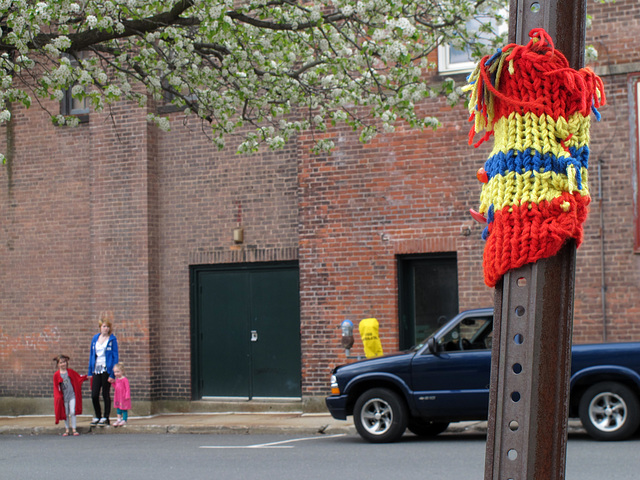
347	336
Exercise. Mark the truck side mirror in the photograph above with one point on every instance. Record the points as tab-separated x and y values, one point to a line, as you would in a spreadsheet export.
432	345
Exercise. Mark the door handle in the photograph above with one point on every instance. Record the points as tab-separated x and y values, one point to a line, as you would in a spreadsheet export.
254	335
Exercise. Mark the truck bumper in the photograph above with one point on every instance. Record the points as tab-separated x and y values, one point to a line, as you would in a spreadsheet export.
337	405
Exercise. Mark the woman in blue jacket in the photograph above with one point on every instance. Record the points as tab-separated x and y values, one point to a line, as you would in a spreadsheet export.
102	358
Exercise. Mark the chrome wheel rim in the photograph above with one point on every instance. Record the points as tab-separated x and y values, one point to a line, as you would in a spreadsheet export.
376	416
607	411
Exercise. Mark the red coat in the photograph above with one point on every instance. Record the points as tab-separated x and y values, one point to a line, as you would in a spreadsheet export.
58	398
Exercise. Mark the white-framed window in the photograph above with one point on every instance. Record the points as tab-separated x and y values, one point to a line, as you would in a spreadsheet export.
458	60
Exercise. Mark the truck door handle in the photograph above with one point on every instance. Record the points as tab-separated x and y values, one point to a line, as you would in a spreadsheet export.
254	335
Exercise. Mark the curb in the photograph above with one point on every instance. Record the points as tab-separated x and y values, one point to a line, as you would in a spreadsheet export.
477	428
348	428
179	429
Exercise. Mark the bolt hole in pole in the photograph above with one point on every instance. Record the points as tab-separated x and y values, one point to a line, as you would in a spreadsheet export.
535	7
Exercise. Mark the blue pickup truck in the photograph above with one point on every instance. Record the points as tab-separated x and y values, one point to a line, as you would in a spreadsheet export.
446	379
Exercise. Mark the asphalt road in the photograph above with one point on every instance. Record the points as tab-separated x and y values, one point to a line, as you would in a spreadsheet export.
283	457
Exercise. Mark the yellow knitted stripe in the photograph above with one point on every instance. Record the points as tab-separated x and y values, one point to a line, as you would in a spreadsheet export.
543	134
529	187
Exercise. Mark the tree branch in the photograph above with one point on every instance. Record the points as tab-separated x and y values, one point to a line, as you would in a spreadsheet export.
82	40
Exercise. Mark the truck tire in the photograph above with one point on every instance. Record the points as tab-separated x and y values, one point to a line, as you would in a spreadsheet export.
380	416
426	428
609	411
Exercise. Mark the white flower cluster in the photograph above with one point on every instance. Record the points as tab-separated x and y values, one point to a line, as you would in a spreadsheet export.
161	122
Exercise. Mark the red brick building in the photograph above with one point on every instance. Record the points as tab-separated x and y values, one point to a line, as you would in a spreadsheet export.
117	215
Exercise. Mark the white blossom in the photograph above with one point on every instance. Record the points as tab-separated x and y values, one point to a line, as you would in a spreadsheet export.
62	42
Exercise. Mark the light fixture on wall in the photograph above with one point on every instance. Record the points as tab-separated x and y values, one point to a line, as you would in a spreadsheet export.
238	235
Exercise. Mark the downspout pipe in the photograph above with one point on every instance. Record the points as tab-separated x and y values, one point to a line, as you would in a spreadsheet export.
603	281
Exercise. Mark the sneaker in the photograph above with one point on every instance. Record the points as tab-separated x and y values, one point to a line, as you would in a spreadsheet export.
95	421
123	423
103	421
117	423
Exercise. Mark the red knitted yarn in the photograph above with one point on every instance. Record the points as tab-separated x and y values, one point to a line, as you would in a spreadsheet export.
525	235
534	194
541	83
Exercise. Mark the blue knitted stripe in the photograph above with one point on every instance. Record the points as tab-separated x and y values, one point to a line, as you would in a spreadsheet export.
519	162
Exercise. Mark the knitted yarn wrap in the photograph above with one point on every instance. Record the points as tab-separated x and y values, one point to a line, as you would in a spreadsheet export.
535	194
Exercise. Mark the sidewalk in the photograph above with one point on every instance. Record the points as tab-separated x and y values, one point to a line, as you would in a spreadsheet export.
218	423
238	423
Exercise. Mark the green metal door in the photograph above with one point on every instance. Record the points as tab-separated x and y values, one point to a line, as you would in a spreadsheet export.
246	331
223	323
275	333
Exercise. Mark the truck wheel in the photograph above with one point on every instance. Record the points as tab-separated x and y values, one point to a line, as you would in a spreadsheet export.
380	416
609	411
426	428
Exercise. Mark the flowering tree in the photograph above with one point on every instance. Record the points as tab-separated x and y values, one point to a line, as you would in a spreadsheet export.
278	66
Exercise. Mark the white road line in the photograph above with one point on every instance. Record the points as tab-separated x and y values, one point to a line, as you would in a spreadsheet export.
279	444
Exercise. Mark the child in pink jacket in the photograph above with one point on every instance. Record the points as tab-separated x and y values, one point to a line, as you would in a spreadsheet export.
121	395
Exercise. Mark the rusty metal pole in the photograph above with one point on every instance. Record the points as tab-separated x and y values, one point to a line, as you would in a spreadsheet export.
531	367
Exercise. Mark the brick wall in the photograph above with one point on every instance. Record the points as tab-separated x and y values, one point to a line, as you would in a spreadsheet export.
408	192
111	216
610	226
45	267
609	231
203	195
74	242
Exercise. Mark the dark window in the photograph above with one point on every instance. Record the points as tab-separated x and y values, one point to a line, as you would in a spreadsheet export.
428	294
74	106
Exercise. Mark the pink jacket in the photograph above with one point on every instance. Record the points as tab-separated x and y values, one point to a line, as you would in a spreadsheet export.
121	394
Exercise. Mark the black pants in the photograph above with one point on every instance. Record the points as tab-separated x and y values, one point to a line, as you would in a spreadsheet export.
101	382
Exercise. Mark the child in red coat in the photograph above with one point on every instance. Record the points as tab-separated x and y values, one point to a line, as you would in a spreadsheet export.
121	395
67	394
